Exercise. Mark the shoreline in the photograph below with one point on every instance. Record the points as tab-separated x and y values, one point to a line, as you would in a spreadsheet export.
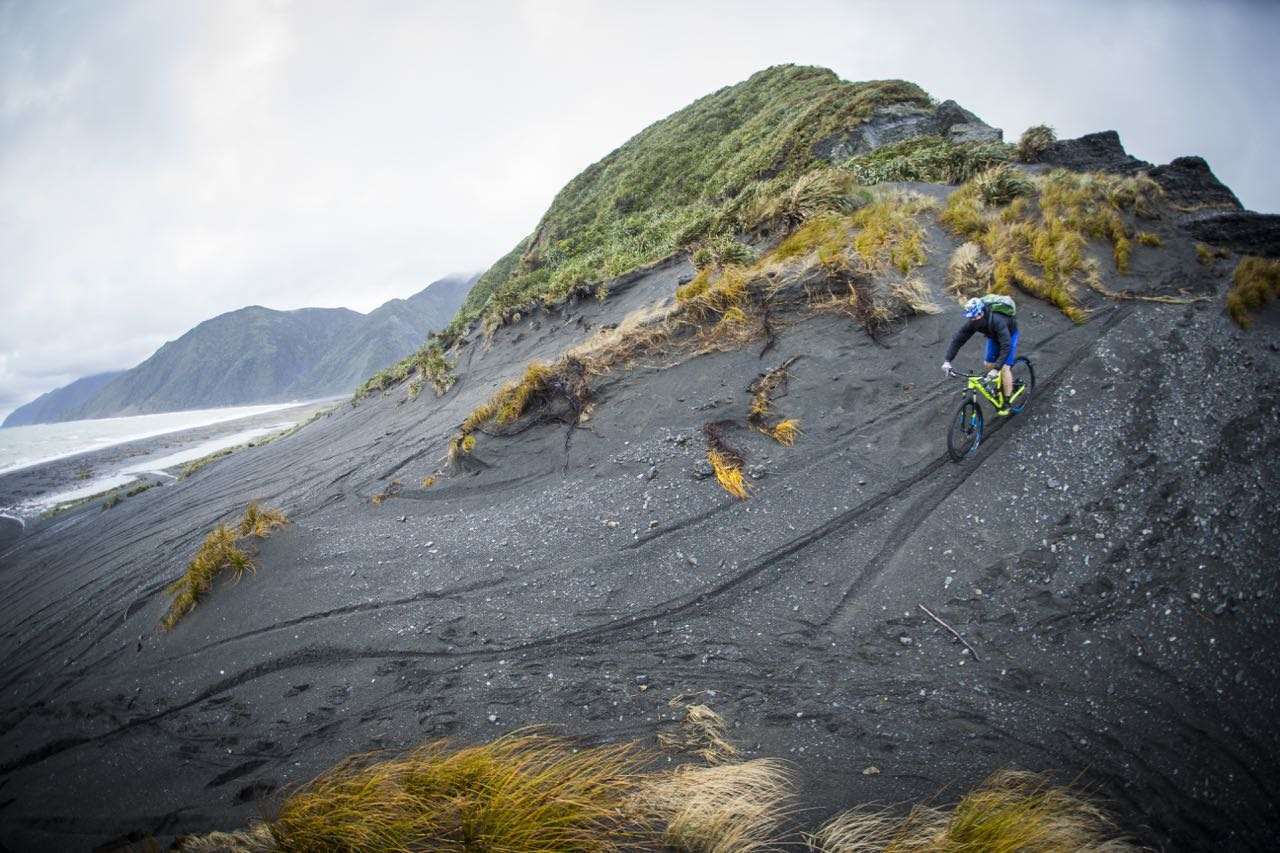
29	492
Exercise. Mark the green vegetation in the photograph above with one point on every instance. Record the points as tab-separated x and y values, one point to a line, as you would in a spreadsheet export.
1255	282
204	461
427	365
930	159
682	180
1011	812
523	792
1048	228
220	552
1035	140
1002	184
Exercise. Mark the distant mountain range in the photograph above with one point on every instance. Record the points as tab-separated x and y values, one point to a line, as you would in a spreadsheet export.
258	355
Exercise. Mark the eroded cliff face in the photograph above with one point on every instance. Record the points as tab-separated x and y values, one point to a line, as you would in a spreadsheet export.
1109	554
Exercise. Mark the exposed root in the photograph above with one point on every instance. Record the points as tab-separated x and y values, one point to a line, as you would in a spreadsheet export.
764	389
389	492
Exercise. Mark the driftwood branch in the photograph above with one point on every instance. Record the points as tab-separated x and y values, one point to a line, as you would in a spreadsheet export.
953	631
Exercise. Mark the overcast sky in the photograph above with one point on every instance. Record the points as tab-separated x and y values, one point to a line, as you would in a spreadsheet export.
162	162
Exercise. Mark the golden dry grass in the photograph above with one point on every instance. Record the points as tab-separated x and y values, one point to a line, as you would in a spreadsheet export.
969	272
1255	282
1012	812
702	732
255	839
727	808
220	552
728	471
1206	254
890	233
1040	247
523	792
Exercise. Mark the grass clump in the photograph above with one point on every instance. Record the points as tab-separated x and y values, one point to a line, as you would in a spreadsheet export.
1146	238
726	462
220	552
969	272
523	792
1002	184
204	461
890	233
1255	282
681	179
1206	254
702	732
1012	812
1037	241
929	159
1035	140
427	366
727	808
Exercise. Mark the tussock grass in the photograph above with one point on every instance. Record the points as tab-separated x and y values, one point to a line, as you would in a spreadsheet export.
727	808
1255	282
1206	254
524	792
1002	184
890	233
1038	243
220	552
930	159
1012	812
914	295
1035	140
204	461
255	839
702	732
1146	238
823	190
428	366
969	272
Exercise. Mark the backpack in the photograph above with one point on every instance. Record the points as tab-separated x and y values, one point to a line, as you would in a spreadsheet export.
1000	304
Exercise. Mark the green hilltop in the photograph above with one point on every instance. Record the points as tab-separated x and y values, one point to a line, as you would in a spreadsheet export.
680	181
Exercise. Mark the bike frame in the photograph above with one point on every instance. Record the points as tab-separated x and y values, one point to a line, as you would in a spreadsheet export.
976	385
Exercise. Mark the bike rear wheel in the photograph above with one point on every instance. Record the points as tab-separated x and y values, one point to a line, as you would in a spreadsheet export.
1025	375
965	433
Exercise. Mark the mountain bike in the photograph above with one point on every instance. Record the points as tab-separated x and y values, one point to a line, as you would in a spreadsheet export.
965	433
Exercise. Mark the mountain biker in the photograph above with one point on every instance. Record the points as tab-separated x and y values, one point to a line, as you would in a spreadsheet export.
992	315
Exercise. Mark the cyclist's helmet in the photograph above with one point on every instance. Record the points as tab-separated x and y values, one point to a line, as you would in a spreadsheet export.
974	308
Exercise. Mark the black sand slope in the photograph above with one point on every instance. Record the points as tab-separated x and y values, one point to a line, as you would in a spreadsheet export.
1111	556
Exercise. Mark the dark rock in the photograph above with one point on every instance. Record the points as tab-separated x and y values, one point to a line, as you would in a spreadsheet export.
1093	152
900	122
1240	231
1189	182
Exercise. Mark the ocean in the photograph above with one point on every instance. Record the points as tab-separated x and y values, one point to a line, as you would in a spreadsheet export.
24	446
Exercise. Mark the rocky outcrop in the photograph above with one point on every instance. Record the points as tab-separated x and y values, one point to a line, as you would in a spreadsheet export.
1240	231
1093	152
899	122
1189	183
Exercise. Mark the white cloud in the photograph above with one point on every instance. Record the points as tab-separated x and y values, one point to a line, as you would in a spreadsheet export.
161	163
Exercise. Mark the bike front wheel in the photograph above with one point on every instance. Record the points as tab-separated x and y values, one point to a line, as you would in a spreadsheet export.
965	433
1024	377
